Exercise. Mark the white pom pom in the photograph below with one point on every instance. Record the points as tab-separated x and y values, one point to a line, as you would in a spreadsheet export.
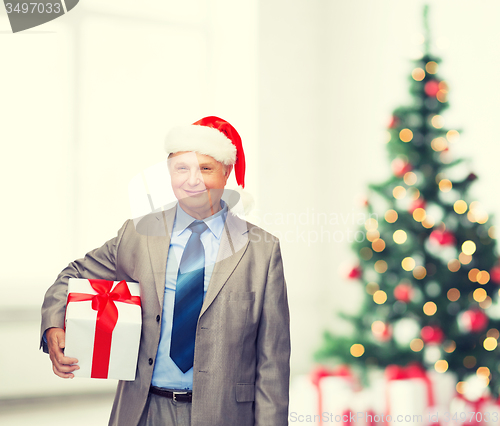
246	200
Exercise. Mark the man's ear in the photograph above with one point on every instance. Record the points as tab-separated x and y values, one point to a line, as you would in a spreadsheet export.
228	171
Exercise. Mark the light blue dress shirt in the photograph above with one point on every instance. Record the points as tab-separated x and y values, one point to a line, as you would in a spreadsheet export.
166	374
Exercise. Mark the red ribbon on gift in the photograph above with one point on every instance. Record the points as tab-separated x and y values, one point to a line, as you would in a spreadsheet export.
411	371
319	373
477	408
107	316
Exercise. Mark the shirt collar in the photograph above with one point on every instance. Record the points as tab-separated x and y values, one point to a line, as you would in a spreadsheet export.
215	222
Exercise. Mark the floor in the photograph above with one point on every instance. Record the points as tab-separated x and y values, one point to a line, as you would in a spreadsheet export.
57	411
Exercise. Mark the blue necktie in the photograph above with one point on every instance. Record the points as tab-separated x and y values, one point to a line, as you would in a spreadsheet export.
188	298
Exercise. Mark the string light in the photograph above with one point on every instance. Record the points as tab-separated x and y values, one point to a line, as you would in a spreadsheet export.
439	144
430	308
378	245
491	232
460	206
483	371
431	67
479	294
418	74
408	263
445	185
419	214
464	259
493	332
486	303
406	135
437	121
428	222
372	287
469	361
416	345
380	266
449	346
469	247
372	235
460	387
473	274
454	265
441	366
366	253
419	272
453	294
371	224
399	236
452	136
380	297
442	96
483	277
410	178
391	216
399	192
357	350
490	343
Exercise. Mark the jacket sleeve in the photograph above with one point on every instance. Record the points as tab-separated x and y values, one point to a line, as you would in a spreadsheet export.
100	263
273	349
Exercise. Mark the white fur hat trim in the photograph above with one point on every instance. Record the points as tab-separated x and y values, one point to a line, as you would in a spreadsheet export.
203	140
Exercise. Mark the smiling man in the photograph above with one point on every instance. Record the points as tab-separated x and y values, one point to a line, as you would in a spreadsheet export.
215	342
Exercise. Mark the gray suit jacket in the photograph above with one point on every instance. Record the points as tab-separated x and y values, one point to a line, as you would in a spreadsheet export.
241	362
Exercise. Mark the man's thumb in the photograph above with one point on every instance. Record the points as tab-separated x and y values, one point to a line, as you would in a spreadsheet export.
62	342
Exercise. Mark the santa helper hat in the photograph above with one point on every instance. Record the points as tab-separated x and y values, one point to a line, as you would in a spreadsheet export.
217	138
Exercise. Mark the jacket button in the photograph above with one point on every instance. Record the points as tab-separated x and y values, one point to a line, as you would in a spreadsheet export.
157	318
150	361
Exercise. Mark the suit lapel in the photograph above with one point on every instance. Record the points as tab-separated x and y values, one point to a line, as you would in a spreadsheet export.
234	241
159	233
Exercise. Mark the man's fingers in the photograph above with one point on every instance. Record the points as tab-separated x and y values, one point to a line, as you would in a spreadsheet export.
61	373
62	366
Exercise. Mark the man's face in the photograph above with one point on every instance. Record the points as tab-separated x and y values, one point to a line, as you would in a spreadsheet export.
198	182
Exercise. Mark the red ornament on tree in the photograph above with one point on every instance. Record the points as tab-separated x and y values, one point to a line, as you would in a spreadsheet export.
473	320
403	292
355	273
432	334
381	331
419	203
431	88
394	122
442	238
495	274
400	167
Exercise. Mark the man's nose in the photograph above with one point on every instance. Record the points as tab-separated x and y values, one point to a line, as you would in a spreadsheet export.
195	177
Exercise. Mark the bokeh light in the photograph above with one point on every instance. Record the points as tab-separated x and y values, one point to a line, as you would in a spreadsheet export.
391	216
380	297
357	350
418	74
408	263
430	308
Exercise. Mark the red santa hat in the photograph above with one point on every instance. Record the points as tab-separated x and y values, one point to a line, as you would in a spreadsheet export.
215	137
210	136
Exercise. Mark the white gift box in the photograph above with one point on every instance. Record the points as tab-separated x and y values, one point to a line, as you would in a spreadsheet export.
121	346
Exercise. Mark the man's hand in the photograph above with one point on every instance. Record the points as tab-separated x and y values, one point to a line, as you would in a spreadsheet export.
61	364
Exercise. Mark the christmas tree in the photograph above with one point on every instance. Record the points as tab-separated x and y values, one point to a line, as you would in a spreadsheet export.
428	264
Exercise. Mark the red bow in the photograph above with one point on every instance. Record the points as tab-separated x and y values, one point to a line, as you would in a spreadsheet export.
107	316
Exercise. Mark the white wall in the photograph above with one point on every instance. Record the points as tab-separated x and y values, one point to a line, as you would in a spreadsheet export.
86	102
